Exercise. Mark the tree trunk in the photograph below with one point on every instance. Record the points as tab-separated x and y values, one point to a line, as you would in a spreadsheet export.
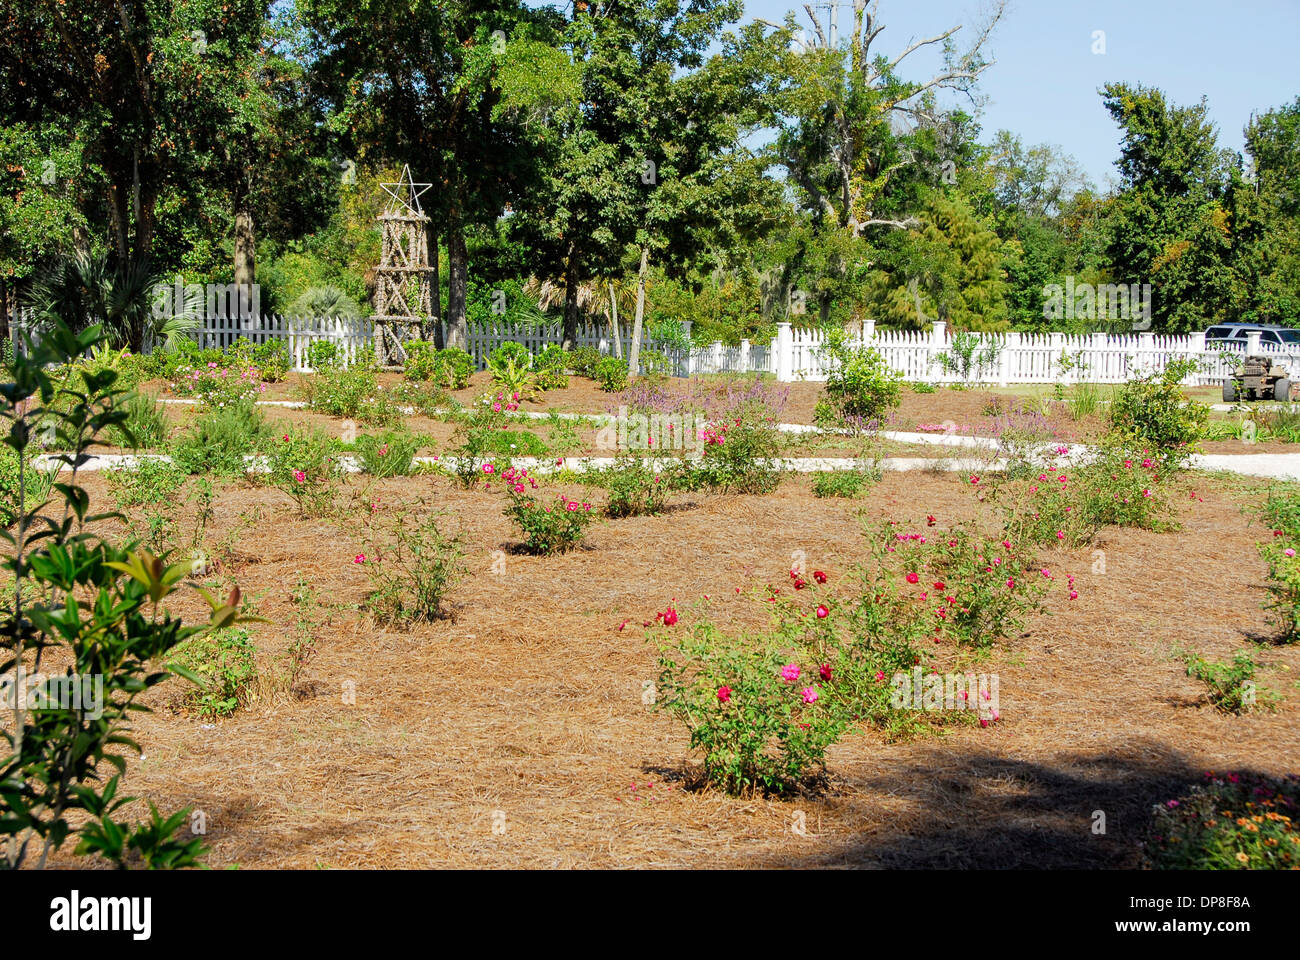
117	210
245	247
613	319
634	355
571	297
435	294
457	283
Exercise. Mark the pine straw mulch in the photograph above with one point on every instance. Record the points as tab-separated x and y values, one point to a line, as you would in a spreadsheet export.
528	699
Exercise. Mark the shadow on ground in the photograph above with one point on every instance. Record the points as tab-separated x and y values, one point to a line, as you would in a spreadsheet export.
995	812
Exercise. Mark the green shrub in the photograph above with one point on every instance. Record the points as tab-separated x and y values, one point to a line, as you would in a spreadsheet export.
548	367
322	355
149	482
223	664
861	388
424	397
57	782
739	454
219	385
1230	687
611	374
496	442
1232	822
1071	505
549	525
353	393
511	367
969	356
1281	552
1151	411
390	454
272	359
453	368
764	706
412	570
634	488
217	441
304	463
973	588
449	368
757	730
842	483
145	427
583	360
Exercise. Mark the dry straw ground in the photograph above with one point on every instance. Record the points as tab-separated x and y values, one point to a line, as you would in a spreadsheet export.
528	699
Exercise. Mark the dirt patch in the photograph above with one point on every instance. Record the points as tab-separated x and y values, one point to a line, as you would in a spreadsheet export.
524	709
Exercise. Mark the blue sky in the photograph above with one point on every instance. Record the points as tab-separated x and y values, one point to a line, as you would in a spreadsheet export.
1243	56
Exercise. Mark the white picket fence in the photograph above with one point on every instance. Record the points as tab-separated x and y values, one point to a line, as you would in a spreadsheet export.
1027	357
484	338
350	335
799	354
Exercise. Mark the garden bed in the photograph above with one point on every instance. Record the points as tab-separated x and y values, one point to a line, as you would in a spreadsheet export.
528	700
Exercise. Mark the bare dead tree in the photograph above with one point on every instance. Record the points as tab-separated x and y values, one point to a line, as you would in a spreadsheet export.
862	175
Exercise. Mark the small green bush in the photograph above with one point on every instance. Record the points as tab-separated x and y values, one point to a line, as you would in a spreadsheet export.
842	483
1151	411
390	454
449	368
322	355
611	374
217	441
1071	505
511	366
272	359
353	393
549	525
223	665
146	426
634	488
548	367
740	454
147	483
1230	687
861	387
304	463
412	570
583	360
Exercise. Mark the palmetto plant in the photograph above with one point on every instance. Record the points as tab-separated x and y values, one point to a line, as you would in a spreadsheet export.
325	301
85	289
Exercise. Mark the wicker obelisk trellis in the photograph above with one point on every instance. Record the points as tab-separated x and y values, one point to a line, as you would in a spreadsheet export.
403	279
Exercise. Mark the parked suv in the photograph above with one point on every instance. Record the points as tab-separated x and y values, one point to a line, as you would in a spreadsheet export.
1269	334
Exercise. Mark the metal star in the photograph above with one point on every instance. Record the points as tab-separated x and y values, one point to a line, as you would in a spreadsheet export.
406	192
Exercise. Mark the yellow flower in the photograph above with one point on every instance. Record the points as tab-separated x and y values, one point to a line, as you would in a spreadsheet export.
1242	858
